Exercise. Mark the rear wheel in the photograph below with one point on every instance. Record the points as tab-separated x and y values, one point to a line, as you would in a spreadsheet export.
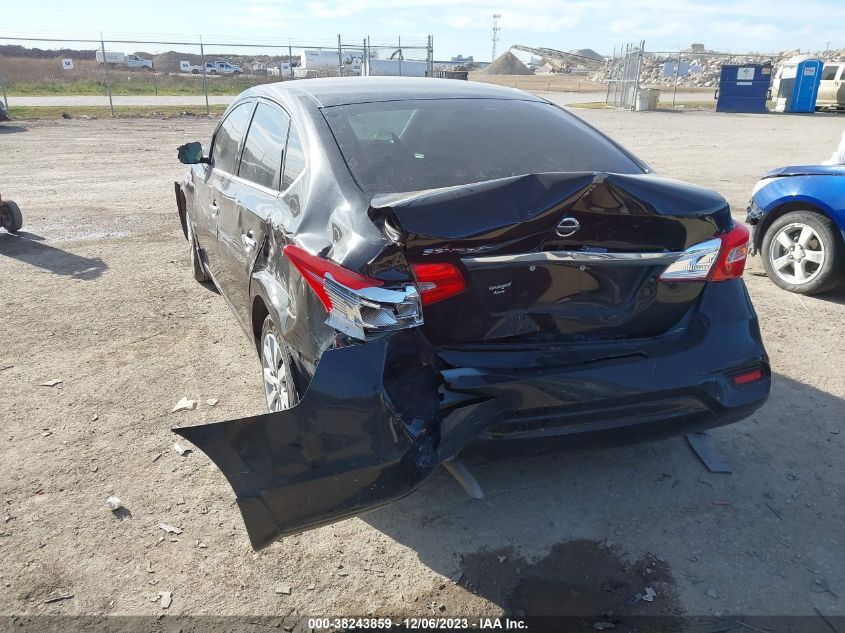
802	252
10	214
279	387
197	267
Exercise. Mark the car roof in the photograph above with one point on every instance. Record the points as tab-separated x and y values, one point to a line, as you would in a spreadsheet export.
333	91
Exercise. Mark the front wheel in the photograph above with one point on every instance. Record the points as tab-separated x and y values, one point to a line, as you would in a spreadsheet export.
11	217
276	366
802	252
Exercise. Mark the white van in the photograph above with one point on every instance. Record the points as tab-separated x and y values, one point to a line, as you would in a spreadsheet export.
832	87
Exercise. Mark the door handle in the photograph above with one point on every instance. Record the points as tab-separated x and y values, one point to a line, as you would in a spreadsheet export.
214	209
247	241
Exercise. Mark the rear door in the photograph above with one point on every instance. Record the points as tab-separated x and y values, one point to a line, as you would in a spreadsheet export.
214	193
840	87
250	200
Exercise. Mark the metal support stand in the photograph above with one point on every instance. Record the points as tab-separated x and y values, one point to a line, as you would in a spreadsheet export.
462	475
705	448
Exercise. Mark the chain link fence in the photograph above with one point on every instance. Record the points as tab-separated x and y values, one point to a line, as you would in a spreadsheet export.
623	75
690	76
126	73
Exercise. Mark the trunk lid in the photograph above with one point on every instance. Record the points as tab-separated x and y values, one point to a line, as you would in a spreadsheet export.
556	257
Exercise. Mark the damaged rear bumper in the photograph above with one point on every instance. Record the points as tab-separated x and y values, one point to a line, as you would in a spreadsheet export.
379	417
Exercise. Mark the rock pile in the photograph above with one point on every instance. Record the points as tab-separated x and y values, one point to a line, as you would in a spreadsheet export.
704	69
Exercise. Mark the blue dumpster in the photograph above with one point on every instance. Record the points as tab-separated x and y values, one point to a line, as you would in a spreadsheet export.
797	84
743	88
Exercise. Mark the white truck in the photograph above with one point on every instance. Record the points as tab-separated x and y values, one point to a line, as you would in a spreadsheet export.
187	67
122	59
222	68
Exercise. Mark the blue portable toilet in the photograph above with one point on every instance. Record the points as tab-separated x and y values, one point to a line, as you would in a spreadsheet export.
743	88
797	84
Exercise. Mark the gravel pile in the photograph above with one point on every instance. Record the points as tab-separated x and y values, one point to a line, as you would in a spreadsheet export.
704	69
507	64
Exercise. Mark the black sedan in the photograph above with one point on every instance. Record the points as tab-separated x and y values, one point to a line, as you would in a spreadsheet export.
425	262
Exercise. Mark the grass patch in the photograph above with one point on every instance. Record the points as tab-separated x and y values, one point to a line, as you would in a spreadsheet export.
31	113
134	84
590	105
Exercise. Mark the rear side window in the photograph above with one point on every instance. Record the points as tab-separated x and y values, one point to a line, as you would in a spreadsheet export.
402	146
294	159
228	138
829	72
261	161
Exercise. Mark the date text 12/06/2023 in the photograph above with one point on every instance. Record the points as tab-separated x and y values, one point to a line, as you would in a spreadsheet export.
421	624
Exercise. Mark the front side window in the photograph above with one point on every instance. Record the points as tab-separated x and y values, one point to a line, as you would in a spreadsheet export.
829	72
261	162
228	138
404	146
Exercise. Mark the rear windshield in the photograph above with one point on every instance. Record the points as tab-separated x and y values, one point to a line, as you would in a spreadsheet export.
399	146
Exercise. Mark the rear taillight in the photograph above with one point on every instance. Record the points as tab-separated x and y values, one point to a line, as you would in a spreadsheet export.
718	259
734	253
437	282
315	269
357	305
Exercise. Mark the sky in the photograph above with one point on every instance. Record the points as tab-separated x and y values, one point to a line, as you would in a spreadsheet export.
458	26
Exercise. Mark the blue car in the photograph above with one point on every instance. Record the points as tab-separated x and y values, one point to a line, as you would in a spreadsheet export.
797	215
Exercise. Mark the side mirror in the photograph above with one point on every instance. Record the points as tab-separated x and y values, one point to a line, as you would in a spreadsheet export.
191	154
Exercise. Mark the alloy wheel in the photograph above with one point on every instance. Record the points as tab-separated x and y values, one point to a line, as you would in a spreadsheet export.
276	377
797	253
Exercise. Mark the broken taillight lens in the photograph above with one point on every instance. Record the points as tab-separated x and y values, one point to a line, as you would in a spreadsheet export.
437	282
314	270
358	306
718	259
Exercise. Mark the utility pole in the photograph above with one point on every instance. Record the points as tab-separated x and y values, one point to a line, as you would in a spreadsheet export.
495	38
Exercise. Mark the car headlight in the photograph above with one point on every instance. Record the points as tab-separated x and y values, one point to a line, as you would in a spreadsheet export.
760	184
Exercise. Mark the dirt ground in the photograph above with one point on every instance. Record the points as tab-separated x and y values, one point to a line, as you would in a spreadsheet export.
97	293
556	82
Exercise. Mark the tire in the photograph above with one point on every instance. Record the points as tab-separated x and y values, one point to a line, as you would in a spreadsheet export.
197	266
11	215
803	253
277	369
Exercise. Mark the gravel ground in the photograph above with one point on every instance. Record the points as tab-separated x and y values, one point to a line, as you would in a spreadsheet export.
97	293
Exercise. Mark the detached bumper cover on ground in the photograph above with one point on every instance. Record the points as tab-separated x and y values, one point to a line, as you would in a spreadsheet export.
379	417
